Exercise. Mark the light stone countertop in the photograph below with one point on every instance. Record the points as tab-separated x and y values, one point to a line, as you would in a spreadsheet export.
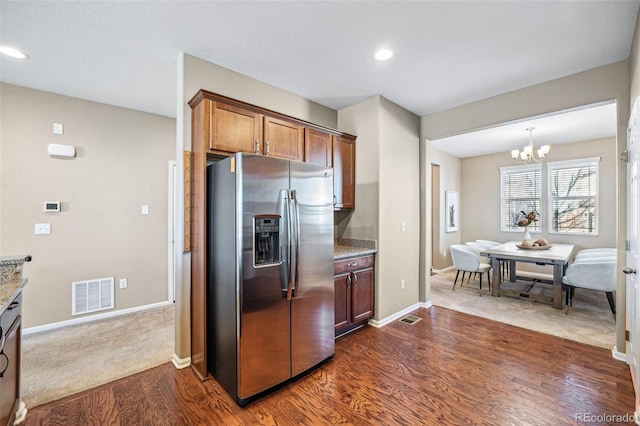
345	248
11	280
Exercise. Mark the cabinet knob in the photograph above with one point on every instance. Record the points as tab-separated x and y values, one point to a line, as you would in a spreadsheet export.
257	147
266	149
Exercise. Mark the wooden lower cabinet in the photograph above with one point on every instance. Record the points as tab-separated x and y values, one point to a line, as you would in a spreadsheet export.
11	321
354	281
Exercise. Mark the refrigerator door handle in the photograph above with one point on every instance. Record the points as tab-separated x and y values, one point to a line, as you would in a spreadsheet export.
285	267
296	242
291	250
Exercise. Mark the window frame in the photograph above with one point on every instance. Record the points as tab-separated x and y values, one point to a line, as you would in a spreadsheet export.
535	168
568	164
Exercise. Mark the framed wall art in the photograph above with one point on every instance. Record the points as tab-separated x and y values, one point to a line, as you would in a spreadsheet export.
451	211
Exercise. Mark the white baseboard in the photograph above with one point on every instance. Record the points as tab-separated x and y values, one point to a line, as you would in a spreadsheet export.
180	363
426	304
391	318
21	414
447	269
620	356
60	324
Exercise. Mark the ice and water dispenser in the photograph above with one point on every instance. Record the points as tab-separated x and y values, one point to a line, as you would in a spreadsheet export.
266	245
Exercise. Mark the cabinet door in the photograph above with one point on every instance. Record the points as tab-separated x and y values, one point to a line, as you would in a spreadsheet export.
344	172
342	285
234	129
362	289
283	139
9	382
317	147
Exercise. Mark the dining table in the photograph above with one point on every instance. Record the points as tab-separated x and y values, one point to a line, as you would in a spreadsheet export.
556	255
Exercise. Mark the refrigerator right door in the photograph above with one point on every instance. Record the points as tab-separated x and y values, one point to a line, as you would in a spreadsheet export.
312	307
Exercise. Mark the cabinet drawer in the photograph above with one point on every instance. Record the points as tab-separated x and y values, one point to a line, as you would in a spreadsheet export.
12	312
353	264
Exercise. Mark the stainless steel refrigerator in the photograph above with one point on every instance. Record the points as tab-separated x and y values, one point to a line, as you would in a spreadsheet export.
270	307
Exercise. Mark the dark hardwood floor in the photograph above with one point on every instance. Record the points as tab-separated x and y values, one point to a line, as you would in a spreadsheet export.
449	369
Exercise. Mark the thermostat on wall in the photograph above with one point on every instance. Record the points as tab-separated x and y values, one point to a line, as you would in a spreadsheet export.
52	206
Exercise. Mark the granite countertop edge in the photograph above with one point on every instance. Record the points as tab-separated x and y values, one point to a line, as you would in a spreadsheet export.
345	248
9	290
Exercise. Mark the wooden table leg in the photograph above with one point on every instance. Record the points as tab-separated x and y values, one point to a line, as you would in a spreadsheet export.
512	271
558	271
497	277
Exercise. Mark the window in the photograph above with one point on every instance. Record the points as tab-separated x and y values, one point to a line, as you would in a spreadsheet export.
520	189
573	196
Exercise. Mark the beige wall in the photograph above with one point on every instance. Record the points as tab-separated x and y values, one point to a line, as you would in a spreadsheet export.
480	195
195	74
122	163
387	176
599	84
363	120
450	180
634	66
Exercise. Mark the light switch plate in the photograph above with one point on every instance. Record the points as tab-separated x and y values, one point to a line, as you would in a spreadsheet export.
58	128
43	228
145	209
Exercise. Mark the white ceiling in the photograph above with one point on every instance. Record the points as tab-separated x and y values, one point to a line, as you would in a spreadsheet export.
447	53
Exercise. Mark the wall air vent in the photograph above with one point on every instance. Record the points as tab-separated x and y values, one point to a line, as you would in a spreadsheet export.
410	319
92	295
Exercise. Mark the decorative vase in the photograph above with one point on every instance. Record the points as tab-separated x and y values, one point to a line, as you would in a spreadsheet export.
527	235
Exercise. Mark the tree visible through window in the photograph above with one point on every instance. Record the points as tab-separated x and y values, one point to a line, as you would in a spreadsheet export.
573	196
521	189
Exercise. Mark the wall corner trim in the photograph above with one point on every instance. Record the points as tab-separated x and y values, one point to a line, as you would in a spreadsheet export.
180	363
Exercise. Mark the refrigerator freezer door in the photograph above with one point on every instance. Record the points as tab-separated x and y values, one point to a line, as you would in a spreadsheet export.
312	307
264	333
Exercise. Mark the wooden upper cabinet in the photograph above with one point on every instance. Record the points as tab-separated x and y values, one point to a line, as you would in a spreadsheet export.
234	129
317	147
344	172
283	139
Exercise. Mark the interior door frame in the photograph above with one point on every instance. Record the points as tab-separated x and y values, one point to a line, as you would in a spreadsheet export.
172	227
632	258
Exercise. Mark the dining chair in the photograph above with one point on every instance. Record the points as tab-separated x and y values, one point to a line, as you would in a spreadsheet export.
487	244
592	274
465	259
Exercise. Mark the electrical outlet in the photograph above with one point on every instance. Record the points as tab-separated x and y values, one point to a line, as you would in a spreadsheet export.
401	284
403	227
123	283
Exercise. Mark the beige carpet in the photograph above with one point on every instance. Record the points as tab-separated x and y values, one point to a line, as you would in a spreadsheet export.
589	320
68	360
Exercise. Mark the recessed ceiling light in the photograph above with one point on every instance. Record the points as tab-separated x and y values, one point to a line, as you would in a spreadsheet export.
14	53
383	54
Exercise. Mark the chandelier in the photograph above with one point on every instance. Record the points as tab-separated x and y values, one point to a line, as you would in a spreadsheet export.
528	153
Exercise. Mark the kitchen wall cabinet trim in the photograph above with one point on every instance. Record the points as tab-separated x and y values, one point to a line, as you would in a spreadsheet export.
214	97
